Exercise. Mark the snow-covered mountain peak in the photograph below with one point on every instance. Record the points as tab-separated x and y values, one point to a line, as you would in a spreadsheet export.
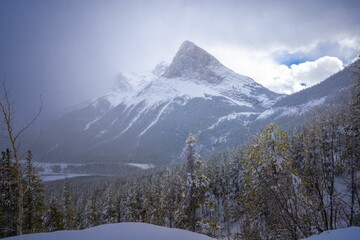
193	62
160	68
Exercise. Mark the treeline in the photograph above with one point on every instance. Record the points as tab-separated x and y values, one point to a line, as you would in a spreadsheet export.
281	186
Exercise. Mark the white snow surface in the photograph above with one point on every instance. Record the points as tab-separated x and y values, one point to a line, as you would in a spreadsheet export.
150	91
232	116
292	111
88	125
143	166
118	231
350	233
153	89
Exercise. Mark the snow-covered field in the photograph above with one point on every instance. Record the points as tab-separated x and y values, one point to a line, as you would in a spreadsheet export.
351	233
119	231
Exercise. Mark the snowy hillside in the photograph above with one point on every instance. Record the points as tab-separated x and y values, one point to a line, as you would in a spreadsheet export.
351	233
123	231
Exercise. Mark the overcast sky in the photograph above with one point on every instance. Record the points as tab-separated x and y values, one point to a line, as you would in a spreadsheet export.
72	50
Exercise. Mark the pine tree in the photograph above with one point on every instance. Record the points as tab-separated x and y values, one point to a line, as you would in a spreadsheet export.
94	210
111	214
55	217
195	184
34	198
69	206
8	195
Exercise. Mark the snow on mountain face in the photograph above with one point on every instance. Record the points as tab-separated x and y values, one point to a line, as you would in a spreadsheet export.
291	110
195	64
192	73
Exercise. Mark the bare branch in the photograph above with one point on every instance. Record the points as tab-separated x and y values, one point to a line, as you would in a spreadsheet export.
31	122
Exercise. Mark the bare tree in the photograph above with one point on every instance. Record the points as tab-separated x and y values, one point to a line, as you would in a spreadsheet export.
13	136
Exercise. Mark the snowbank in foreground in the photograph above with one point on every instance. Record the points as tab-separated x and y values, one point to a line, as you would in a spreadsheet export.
351	233
119	231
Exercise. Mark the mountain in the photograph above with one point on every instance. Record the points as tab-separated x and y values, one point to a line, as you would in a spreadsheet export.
148	117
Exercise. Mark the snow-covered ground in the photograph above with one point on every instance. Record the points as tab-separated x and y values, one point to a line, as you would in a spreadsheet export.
119	231
351	233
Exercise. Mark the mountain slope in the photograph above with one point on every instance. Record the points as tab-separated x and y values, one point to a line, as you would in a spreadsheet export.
148	117
299	108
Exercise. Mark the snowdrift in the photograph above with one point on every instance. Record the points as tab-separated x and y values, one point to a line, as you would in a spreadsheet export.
351	233
119	231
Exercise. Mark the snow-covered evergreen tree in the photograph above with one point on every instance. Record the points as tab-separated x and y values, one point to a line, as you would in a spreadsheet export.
55	217
34	198
8	193
69	206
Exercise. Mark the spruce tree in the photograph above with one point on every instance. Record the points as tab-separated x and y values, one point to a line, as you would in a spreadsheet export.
55	217
195	184
8	195
34	198
69	206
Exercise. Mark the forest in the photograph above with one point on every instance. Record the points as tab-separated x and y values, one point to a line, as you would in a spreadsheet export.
282	185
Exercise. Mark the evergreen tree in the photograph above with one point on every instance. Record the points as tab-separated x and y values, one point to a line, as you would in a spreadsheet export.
8	195
195	184
55	217
94	210
111	214
34	198
69	206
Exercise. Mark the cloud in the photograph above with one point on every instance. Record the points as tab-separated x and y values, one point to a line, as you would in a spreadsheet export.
291	79
281	78
345	49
